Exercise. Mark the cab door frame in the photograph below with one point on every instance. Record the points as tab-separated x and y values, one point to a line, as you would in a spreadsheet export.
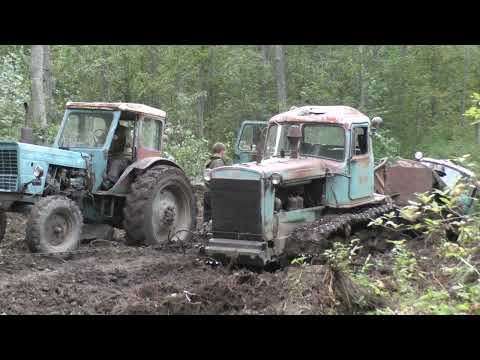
361	167
241	155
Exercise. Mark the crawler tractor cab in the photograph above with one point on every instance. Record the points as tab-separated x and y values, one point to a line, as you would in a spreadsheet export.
105	167
317	163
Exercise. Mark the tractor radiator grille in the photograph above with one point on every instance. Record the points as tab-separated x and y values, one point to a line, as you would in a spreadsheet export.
236	212
8	170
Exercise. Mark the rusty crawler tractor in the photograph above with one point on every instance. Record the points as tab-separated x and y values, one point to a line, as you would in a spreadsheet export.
105	167
315	179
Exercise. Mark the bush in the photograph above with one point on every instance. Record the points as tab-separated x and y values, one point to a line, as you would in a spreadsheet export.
189	151
14	91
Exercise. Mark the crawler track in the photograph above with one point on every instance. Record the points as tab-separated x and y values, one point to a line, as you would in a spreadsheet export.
314	238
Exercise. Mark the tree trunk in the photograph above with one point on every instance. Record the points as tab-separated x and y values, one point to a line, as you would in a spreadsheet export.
49	82
466	66
104	75
38	105
265	50
363	78
126	72
281	77
203	68
434	83
152	69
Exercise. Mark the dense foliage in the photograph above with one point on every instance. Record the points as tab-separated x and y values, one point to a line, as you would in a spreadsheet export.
422	92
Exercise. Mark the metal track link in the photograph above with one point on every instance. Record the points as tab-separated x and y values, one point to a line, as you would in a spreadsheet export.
315	237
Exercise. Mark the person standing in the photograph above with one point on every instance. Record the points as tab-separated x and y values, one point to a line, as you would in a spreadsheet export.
216	160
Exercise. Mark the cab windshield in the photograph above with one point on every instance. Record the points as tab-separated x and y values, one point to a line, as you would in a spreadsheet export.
86	129
318	140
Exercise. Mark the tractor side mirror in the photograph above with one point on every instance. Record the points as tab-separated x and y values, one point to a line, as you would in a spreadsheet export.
418	155
376	122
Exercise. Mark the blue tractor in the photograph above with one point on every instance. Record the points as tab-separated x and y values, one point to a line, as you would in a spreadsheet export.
105	167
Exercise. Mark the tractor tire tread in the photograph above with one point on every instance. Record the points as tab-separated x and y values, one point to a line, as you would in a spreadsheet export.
139	196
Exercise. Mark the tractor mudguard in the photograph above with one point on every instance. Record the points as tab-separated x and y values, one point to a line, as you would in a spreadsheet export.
121	186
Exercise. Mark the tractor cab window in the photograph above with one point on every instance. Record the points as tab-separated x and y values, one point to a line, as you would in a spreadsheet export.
277	141
122	143
151	134
360	141
250	138
86	129
325	141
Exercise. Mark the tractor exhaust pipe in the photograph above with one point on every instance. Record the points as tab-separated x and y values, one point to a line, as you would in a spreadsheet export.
294	135
26	133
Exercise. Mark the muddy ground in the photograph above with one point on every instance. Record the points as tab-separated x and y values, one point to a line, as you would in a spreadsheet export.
117	279
113	278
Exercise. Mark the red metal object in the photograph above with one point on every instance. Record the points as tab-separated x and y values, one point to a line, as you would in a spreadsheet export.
405	182
143	153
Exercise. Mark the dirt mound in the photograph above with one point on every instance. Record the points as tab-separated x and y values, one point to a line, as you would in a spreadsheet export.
295	291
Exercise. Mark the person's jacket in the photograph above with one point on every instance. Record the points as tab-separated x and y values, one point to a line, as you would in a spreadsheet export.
214	162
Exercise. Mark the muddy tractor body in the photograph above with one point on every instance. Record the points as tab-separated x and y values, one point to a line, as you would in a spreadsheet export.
105	167
317	161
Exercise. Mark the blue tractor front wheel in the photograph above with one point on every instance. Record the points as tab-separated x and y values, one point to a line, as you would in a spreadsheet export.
54	225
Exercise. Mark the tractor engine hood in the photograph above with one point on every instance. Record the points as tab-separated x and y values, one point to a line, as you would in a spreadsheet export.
290	169
18	162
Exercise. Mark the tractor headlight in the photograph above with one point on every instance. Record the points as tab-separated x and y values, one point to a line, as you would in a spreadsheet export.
38	171
206	175
276	179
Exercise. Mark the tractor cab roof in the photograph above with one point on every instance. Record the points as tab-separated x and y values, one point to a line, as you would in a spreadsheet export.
343	115
126	108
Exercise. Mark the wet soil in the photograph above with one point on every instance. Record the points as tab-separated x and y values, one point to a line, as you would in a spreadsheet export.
118	279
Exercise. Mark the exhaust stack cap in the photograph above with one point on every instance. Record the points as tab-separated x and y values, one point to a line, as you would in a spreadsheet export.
26	135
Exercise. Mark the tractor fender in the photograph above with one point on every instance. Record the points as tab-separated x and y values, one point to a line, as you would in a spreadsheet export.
125	179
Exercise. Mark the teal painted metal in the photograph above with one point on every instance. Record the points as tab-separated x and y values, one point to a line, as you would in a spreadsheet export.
98	156
30	156
361	168
244	156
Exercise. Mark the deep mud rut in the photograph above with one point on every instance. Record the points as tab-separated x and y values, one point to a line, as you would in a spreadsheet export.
118	279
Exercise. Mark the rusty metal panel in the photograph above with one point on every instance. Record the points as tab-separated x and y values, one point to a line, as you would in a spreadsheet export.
343	115
406	181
